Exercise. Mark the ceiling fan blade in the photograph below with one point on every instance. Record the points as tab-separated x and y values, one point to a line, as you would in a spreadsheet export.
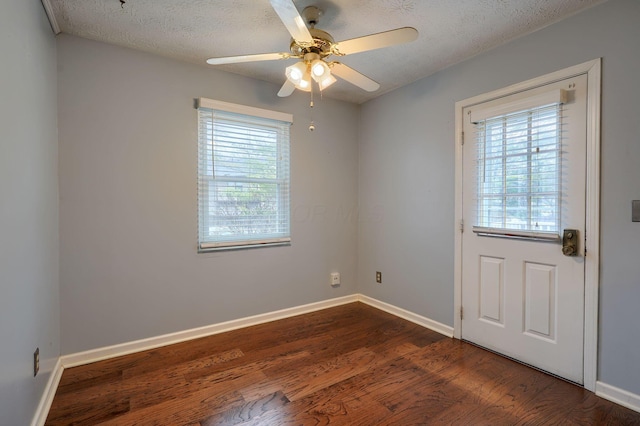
376	41
291	19
286	89
248	58
354	77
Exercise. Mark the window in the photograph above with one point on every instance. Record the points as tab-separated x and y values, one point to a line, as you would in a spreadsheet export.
519	170
243	176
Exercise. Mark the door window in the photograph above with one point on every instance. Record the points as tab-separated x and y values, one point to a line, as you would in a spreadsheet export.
519	168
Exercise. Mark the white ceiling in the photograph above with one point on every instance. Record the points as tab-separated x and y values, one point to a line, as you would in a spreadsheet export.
194	30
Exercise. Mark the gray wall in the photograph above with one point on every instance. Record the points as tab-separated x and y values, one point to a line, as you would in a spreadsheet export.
407	175
29	304
129	267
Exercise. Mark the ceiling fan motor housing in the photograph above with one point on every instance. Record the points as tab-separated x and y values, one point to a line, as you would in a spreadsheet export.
322	44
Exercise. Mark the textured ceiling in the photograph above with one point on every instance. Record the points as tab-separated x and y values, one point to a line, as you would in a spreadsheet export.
194	30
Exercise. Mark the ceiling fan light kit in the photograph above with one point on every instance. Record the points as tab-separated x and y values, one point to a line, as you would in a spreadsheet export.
326	81
319	68
298	74
311	67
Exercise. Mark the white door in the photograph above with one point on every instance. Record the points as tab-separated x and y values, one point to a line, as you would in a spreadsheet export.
524	160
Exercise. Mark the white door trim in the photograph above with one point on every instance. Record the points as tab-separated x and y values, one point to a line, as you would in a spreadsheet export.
592	235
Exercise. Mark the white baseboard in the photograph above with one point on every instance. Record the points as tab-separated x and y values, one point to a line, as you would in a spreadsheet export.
409	316
619	396
99	354
40	416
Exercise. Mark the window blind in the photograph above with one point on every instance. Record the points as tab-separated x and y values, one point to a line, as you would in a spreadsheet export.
243	177
519	170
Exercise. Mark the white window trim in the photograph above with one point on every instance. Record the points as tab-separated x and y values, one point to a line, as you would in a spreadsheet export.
244	109
206	247
557	96
592	238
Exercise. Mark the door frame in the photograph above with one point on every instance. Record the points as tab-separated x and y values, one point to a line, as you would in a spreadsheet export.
592	230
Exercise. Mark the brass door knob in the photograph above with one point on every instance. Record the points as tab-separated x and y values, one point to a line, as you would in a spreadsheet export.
570	242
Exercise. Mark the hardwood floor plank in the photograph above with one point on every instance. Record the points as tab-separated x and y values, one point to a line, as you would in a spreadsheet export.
259	389
76	380
348	365
249	412
384	381
253	363
188	409
87	413
202	349
321	409
472	414
430	396
297	384
343	410
205	362
135	392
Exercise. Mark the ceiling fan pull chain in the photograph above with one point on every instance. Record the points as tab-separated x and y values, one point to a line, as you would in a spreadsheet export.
312	126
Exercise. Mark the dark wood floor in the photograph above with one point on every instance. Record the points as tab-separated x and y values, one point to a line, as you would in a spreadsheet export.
349	365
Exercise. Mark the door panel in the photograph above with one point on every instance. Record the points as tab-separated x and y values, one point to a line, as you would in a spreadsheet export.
491	286
520	295
540	300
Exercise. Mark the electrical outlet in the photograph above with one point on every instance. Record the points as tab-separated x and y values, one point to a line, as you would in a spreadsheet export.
36	362
378	277
335	278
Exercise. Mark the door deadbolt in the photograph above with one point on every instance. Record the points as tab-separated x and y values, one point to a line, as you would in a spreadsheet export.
570	242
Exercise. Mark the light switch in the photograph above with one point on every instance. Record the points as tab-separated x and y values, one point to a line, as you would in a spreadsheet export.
635	211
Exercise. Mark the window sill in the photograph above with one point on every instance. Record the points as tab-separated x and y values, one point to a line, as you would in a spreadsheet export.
209	248
516	234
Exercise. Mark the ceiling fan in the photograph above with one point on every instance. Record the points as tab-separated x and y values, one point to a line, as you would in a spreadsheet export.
313	46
